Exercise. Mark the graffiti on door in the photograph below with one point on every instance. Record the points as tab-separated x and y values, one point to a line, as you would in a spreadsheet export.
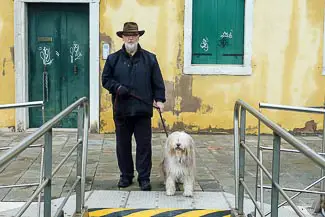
75	53
45	54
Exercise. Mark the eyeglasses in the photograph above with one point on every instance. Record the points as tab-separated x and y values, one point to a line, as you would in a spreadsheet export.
130	34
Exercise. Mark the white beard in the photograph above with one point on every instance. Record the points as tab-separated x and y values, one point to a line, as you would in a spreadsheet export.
179	166
131	47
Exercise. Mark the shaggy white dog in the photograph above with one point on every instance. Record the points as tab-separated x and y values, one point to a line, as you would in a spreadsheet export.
178	164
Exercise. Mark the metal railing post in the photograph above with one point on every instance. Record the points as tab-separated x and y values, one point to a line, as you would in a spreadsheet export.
322	186
275	174
241	161
48	172
79	159
261	183
258	151
236	154
85	151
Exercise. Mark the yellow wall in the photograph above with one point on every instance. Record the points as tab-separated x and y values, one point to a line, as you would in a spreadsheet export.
7	76
287	64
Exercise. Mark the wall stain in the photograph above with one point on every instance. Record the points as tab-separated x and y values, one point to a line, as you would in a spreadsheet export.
108	98
317	97
3	67
150	2
115	4
170	96
180	15
189	103
310	127
179	63
103	38
102	125
180	21
291	53
206	109
180	126
12	52
315	10
161	36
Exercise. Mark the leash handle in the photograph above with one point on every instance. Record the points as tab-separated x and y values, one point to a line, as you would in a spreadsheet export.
163	122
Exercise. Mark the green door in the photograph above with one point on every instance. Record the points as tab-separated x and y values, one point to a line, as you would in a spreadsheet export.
58	58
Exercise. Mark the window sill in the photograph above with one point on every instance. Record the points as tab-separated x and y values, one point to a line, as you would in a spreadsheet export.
218	70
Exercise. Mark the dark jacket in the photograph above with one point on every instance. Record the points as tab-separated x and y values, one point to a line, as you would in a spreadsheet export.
139	73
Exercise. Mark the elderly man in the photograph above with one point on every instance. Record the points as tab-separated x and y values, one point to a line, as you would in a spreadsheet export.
132	75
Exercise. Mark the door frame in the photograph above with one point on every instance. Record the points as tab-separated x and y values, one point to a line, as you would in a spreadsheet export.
21	59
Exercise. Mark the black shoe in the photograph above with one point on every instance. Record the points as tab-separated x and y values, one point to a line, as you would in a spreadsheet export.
145	185
123	183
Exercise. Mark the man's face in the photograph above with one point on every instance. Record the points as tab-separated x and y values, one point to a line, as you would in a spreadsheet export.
131	38
131	42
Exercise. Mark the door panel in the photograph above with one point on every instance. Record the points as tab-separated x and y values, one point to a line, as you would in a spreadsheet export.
54	31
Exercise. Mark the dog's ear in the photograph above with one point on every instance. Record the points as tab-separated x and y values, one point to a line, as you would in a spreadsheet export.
191	150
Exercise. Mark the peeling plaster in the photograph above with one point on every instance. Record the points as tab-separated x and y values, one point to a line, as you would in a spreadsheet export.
179	125
170	96
1	25
103	38
189	103
115	4
3	67
310	127
12	52
180	62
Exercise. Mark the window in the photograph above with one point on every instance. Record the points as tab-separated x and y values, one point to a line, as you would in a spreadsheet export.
217	37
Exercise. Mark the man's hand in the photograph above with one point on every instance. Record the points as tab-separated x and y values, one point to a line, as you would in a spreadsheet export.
160	105
122	91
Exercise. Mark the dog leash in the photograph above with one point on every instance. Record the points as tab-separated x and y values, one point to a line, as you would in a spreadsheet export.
142	100
156	107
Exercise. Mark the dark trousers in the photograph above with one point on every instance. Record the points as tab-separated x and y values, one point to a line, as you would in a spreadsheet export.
125	127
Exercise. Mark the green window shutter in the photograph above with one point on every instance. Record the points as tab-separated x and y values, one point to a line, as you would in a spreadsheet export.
218	31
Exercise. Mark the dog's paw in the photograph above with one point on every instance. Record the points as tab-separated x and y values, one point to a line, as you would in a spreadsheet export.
188	193
170	192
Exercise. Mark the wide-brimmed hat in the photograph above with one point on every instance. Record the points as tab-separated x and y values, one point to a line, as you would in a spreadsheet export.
129	28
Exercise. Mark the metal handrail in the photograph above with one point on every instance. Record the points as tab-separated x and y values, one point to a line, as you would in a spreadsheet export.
240	147
46	130
319	110
310	109
22	105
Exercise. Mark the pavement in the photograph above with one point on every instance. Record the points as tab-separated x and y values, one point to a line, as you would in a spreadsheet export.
215	170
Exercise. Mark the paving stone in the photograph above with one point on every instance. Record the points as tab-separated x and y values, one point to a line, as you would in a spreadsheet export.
210	185
63	172
20	194
4	192
9	180
92	142
28	180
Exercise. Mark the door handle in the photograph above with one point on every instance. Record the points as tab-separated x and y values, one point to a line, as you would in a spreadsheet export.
75	69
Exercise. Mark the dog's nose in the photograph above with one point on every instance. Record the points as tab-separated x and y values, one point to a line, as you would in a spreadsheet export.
178	144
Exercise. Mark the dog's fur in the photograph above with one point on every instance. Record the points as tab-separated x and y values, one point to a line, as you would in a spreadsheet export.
178	165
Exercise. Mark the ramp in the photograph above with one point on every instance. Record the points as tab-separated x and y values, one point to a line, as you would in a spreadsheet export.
127	212
105	203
